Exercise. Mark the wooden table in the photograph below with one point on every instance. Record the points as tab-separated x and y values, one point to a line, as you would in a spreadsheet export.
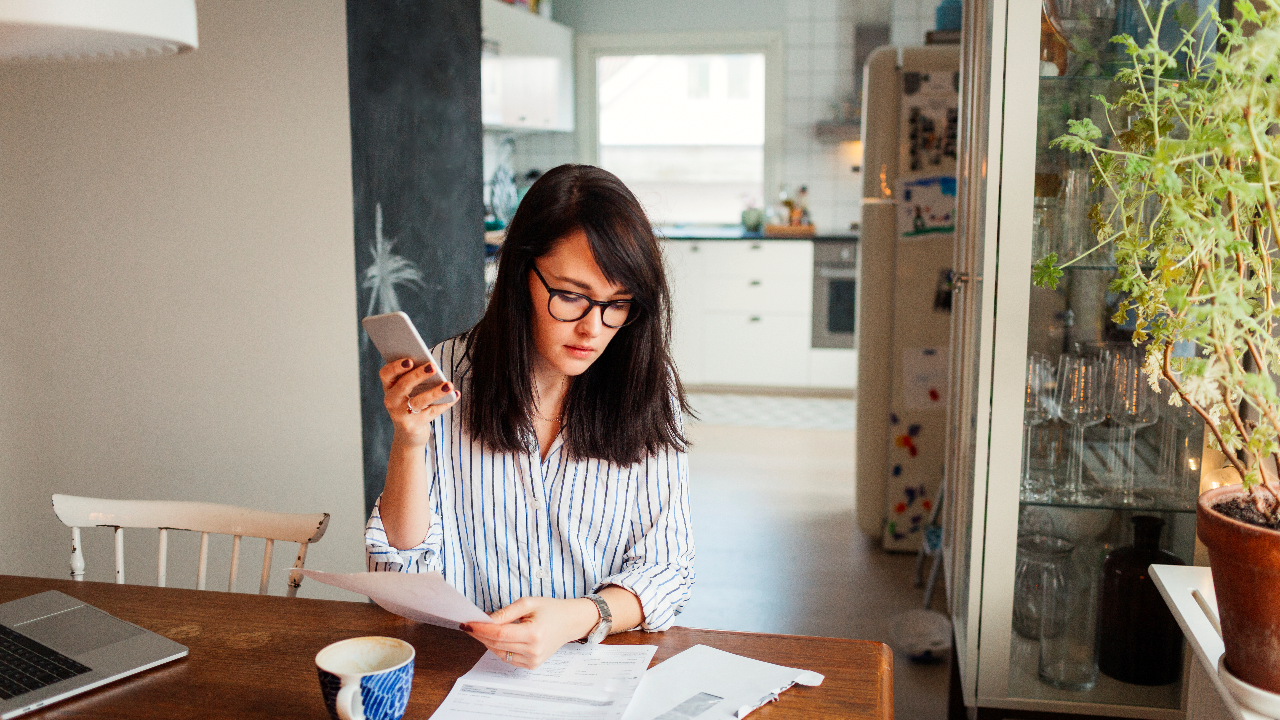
254	656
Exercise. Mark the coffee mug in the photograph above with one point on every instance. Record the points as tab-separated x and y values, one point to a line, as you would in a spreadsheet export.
366	678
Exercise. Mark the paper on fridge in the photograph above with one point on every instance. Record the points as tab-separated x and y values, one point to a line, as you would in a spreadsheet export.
578	682
424	597
705	683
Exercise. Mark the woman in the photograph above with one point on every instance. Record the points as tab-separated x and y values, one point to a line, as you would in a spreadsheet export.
555	495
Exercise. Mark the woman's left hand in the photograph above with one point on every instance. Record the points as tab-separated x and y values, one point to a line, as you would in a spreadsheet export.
531	629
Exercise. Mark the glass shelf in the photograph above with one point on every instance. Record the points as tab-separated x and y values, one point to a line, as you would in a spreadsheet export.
1152	507
1161	701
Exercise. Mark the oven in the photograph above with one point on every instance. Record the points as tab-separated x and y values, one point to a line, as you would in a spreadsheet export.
835	292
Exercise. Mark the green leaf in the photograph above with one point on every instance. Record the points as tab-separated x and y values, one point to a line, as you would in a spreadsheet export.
1084	129
1046	272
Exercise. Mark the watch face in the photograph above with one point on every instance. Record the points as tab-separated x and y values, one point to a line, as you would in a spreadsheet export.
600	632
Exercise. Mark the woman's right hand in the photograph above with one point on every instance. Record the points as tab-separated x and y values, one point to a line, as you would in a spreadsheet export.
412	416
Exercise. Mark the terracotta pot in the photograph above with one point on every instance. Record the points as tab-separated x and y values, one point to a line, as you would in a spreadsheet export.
1245	560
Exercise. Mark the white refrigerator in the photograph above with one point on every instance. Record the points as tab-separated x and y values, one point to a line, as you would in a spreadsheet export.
910	118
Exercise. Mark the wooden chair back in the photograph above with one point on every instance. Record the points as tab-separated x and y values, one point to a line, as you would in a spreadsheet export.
204	518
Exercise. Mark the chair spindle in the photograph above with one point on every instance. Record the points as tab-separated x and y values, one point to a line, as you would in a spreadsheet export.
162	560
204	560
119	556
295	577
235	563
266	567
77	555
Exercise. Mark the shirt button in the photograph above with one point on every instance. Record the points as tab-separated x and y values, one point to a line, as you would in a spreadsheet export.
540	574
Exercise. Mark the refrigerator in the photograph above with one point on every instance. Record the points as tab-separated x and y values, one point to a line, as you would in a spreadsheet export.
910	126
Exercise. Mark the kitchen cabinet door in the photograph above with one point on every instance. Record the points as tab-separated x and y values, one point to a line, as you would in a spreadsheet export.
746	348
760	258
761	292
686	271
526	70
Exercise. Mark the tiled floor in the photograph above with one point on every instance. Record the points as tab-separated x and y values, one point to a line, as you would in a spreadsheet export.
779	551
799	413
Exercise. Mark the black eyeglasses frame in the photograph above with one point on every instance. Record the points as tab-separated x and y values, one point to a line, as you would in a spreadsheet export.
633	306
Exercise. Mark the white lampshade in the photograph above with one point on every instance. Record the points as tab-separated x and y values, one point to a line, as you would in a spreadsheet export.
54	29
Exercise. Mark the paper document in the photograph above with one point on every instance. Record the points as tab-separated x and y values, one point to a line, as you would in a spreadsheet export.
709	684
424	597
579	682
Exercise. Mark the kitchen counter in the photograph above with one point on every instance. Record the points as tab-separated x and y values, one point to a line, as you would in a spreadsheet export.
734	232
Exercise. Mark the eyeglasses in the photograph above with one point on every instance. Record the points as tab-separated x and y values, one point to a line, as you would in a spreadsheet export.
568	306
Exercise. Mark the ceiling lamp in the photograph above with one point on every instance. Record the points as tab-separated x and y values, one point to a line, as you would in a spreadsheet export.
65	29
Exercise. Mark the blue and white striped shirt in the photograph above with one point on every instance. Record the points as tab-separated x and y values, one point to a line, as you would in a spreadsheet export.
506	526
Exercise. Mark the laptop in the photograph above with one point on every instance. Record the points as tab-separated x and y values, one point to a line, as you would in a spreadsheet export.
53	646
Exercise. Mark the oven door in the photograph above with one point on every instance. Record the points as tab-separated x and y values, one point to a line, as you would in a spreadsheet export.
835	295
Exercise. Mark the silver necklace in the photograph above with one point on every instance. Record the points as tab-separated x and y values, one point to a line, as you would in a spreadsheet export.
559	419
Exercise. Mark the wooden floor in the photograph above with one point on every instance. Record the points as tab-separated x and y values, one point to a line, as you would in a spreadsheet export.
779	551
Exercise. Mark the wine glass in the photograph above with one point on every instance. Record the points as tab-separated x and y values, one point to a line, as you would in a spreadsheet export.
1038	407
1133	406
1080	405
1177	477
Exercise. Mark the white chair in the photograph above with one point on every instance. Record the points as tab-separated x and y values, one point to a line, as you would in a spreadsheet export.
204	518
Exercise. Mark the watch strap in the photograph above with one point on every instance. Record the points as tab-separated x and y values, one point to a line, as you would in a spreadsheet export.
605	624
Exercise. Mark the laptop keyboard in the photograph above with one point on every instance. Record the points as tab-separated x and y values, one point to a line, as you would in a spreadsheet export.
26	665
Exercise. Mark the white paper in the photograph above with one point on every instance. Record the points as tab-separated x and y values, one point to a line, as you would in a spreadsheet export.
924	378
707	683
579	682
424	597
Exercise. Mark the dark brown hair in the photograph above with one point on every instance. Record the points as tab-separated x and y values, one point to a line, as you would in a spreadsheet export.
626	405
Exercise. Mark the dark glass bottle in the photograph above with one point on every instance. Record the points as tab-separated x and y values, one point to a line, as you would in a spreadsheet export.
1139	641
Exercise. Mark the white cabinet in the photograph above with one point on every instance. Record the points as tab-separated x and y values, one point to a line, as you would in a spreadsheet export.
526	70
993	499
756	348
742	311
685	275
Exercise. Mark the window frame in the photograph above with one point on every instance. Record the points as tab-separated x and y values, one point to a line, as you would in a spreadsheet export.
591	47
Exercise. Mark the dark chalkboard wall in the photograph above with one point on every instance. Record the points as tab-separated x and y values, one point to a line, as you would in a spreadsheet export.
416	169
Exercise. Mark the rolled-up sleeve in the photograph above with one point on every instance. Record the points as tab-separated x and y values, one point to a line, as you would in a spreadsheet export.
381	556
658	567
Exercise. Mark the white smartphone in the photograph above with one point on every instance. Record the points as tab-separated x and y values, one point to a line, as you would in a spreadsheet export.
396	338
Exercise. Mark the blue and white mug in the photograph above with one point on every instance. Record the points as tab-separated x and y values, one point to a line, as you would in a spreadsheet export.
366	678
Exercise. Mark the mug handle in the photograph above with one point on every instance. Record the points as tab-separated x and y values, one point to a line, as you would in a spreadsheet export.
349	704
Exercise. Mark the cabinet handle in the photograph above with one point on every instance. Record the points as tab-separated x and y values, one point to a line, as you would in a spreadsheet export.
754	318
693	248
754	283
756	246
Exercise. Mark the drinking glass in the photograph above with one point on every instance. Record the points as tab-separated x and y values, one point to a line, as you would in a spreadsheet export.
1039	580
1076	235
1133	406
1080	405
1038	407
1044	227
1177	480
1068	642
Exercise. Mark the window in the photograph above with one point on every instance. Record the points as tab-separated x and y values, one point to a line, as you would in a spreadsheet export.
685	132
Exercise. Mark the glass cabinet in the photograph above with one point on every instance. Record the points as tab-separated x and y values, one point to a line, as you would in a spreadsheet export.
1060	453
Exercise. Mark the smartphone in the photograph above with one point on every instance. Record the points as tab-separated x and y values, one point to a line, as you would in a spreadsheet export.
396	338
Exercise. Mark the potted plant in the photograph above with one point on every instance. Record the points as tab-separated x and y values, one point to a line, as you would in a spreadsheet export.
1192	171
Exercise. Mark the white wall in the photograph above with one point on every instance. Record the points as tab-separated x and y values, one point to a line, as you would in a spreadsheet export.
911	20
819	75
818	36
628	16
178	309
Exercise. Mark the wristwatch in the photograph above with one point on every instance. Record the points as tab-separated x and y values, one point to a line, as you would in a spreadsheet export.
602	628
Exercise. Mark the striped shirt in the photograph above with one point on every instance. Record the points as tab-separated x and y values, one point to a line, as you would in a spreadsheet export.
506	525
